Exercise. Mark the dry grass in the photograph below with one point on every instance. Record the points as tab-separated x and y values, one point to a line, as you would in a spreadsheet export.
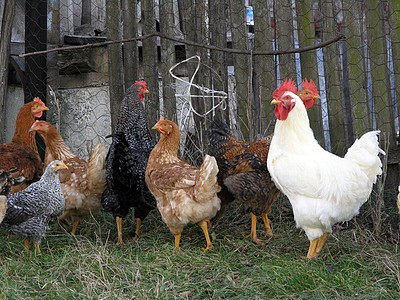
355	263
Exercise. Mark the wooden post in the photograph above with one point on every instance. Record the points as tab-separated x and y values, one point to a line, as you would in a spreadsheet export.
264	70
168	58
218	13
131	53
150	67
333	70
379	72
35	40
308	60
114	60
352	19
394	21
242	68
5	40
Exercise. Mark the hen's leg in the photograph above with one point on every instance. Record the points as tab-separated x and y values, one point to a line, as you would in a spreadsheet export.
204	225
138	224
321	242
119	229
177	240
311	251
266	223
63	217
76	221
253	234
26	244
37	248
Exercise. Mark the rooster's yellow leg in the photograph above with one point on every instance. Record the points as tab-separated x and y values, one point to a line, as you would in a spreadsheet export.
76	221
253	233
37	248
119	229
204	225
177	240
266	223
26	244
138	224
62	217
311	251
321	242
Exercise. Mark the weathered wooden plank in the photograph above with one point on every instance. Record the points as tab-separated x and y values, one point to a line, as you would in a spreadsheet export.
150	66
379	71
5	39
131	51
115	60
308	60
264	69
352	19
242	68
285	38
394	21
334	85
167	59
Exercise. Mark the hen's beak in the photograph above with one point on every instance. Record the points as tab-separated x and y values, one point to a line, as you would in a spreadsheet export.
274	101
44	108
62	166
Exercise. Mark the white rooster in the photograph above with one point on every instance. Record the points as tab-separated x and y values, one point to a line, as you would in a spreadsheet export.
323	188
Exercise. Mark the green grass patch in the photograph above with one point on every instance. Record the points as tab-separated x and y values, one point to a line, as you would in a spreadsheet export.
353	264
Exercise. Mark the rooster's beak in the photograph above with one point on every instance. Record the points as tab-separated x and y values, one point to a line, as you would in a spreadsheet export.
317	97
146	91
276	101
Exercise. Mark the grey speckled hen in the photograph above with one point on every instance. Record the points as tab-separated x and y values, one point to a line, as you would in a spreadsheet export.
30	210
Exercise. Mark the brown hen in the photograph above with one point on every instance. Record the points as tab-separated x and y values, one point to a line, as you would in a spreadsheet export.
184	193
83	182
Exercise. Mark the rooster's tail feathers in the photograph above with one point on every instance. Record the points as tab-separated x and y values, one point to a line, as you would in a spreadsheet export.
206	184
96	168
364	152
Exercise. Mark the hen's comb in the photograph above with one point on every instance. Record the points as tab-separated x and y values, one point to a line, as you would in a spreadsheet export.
37	99
287	86
143	83
309	85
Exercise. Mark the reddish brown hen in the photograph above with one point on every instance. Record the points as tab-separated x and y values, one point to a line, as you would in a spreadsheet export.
22	152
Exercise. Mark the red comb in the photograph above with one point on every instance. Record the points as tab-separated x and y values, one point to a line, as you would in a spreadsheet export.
37	99
287	86
309	85
143	83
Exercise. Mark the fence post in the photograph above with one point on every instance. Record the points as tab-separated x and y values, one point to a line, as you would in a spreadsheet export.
334	84
114	60
308	60
379	71
167	27
242	65
264	69
5	39
352	19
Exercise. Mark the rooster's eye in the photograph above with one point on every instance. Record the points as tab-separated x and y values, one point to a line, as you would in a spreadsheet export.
287	97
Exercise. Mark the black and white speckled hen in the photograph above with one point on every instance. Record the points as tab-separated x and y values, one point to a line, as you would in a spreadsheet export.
30	210
127	160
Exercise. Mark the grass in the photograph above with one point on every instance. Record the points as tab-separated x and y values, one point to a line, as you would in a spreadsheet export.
353	264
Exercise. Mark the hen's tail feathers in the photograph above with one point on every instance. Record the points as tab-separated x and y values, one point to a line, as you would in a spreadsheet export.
206	184
95	171
3	207
364	152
